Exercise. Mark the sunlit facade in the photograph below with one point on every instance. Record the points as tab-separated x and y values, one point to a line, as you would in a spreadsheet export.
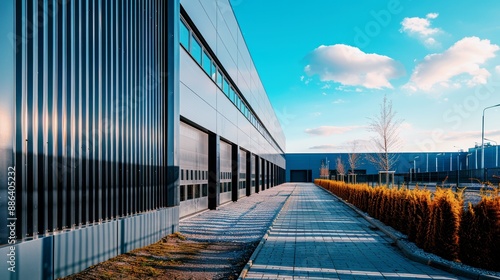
117	119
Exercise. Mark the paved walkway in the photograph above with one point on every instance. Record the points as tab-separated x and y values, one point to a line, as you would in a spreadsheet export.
318	237
244	221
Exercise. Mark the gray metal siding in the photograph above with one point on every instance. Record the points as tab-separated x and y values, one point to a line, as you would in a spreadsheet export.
89	112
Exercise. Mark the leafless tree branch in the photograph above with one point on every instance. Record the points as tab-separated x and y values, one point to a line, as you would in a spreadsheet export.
386	141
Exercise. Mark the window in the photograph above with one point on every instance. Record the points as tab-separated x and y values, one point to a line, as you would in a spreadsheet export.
231	94
182	174
190	192
196	50
204	191
219	78
184	35
238	102
206	63
183	193
213	72
196	191
225	87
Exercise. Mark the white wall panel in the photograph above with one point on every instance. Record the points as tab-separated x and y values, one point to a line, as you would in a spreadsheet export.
201	100
225	57
196	109
227	109
205	22
193	77
227	129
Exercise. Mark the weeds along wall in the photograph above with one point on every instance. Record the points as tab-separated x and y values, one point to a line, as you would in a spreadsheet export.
436	221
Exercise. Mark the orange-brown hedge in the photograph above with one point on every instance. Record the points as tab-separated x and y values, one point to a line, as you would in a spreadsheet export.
436	222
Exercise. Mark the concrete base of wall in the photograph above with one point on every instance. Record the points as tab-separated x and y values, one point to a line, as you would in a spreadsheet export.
192	206
69	252
242	192
225	197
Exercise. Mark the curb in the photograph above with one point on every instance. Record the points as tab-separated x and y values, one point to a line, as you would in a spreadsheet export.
256	252
409	253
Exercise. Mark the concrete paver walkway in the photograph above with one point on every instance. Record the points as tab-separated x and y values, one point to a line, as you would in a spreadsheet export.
318	237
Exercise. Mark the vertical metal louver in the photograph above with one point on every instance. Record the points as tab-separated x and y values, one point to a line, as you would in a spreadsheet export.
90	111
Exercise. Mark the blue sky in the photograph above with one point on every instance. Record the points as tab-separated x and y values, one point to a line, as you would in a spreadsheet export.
326	66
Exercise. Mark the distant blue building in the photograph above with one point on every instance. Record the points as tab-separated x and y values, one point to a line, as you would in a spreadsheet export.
432	166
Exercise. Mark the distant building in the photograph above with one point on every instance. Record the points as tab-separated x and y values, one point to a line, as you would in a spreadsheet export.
305	167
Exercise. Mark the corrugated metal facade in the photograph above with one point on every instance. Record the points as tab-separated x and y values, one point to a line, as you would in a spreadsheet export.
89	111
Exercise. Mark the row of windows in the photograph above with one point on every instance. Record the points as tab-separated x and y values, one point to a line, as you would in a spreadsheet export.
194	174
225	175
200	54
225	187
203	175
188	192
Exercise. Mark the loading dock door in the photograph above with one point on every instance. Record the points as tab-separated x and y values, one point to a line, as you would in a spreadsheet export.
300	176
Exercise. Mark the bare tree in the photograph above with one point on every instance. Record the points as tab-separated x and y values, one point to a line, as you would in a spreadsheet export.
340	168
354	157
386	140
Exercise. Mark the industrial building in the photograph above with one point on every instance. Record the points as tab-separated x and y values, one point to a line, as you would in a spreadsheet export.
118	118
409	167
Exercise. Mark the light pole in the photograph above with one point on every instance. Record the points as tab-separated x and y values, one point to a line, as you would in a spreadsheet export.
467	160
414	166
451	161
437	161
496	156
427	162
482	138
458	157
437	169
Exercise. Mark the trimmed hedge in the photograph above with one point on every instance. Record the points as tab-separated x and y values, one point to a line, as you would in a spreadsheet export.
435	222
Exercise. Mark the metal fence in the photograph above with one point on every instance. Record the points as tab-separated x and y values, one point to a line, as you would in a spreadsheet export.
461	177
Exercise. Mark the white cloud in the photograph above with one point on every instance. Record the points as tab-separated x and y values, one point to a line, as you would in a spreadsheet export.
326	86
432	15
464	57
304	80
324	147
328	130
350	66
430	42
470	135
324	93
339	101
421	28
497	68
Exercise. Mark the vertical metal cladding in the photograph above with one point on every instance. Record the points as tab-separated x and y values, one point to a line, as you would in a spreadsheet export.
90	111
